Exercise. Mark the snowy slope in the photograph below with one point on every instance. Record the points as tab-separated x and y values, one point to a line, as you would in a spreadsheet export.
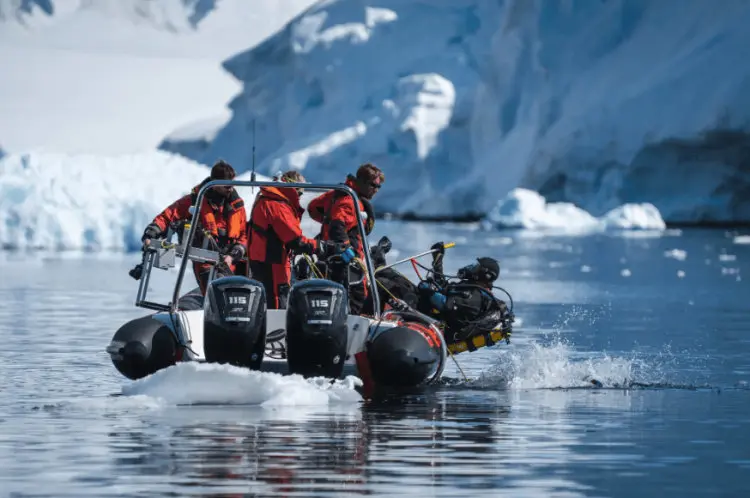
116	76
594	102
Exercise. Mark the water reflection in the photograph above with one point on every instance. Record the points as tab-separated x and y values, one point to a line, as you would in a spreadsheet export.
415	442
437	443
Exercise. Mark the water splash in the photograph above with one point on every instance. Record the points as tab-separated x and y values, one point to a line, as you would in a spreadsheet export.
549	361
557	365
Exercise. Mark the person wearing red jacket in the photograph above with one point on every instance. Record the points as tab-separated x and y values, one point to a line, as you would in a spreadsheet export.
222	219
337	215
274	235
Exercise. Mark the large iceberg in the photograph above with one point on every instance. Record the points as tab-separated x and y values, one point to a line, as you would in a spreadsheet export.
460	101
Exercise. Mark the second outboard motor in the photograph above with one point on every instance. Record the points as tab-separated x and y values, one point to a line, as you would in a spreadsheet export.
234	322
316	328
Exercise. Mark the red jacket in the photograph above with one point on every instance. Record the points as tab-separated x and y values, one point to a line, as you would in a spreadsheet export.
335	211
224	218
274	229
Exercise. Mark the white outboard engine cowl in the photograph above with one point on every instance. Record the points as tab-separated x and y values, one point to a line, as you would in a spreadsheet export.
234	322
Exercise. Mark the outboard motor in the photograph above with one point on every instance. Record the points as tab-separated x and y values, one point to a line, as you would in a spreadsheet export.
143	346
234	322
316	328
408	355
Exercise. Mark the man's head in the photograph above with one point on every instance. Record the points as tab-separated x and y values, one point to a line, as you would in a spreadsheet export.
369	179
222	170
293	176
484	272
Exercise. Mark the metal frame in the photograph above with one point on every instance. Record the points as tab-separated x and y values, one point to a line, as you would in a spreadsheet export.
255	183
140	298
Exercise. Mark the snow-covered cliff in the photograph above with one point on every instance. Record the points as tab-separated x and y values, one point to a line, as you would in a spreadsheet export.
601	103
459	101
346	82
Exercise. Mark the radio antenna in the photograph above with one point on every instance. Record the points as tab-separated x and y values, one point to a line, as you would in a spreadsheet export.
252	175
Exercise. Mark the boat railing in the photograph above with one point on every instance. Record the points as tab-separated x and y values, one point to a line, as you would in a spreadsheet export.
162	255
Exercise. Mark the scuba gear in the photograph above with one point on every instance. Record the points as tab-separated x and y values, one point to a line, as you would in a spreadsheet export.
471	315
484	270
348	255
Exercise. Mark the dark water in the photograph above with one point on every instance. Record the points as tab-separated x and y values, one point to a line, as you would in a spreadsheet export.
671	352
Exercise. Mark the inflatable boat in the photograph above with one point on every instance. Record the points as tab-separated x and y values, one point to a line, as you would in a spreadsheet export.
314	336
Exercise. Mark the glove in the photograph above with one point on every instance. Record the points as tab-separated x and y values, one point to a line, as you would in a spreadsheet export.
398	305
151	232
237	252
438	249
324	249
384	244
310	248
348	255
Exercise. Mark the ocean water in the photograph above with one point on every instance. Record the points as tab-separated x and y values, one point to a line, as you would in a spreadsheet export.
627	375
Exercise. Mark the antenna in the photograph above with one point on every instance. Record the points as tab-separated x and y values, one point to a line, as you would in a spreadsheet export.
252	175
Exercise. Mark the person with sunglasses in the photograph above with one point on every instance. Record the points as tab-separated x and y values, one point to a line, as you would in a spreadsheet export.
274	235
336	213
222	223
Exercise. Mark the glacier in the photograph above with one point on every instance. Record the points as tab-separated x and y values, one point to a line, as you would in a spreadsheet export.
88	202
599	104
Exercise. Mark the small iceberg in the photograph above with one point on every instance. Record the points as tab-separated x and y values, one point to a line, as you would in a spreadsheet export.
527	209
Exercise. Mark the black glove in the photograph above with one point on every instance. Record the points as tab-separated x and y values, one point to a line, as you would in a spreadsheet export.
308	248
328	248
237	252
325	248
384	244
438	248
151	232
398	305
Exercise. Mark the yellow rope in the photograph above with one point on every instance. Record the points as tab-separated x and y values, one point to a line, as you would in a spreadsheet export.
313	266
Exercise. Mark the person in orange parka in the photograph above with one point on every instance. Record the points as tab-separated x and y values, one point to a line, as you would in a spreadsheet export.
222	215
274	235
338	217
